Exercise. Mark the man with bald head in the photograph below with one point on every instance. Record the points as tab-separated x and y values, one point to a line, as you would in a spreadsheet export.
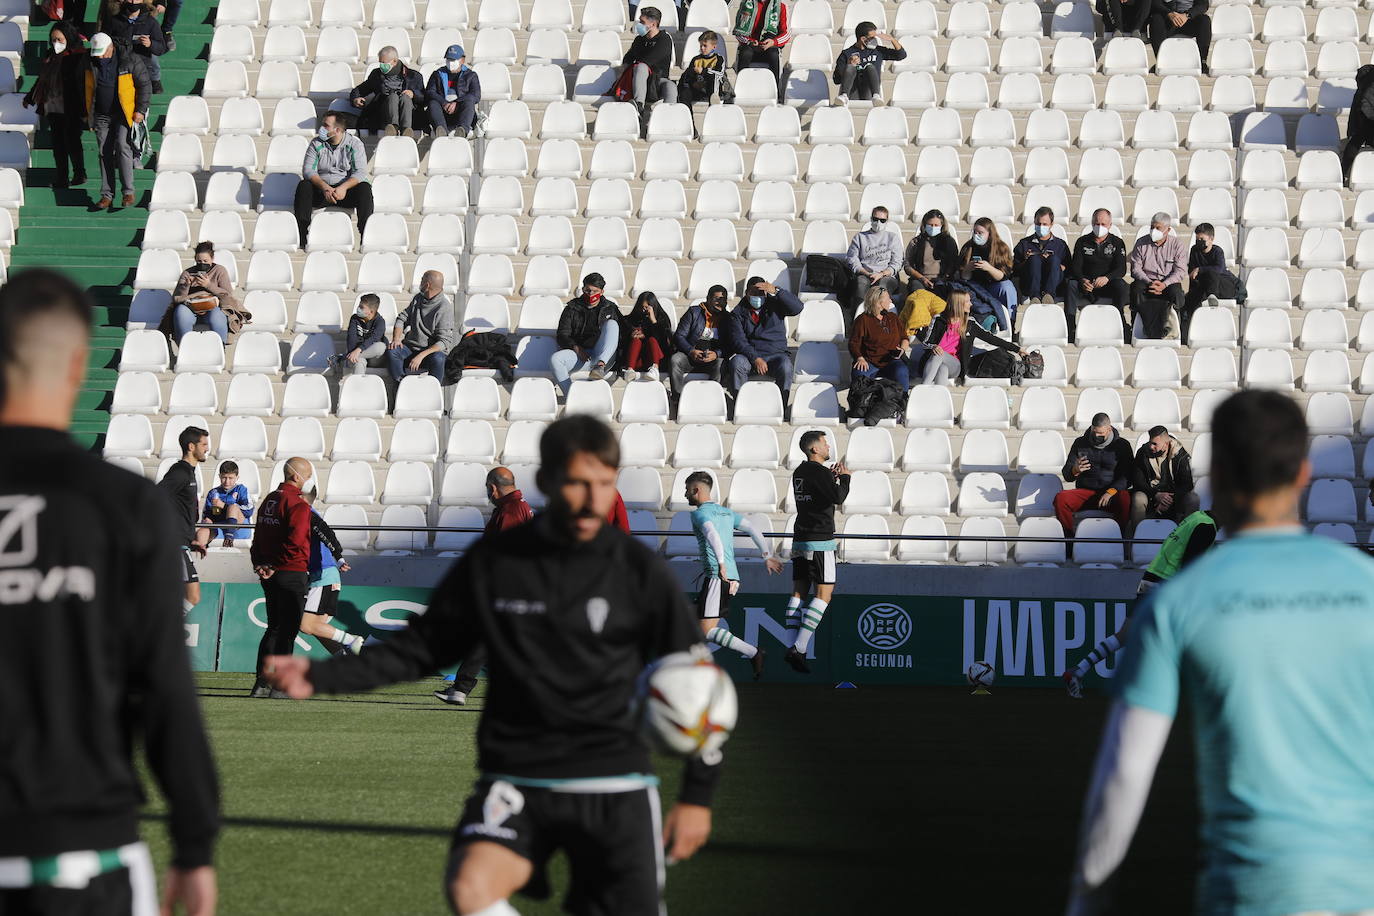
93	620
281	558
508	510
424	332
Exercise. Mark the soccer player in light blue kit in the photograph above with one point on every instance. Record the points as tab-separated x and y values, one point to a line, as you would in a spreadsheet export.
715	527
1270	636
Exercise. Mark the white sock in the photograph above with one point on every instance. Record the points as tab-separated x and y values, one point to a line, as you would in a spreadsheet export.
499	908
793	617
1105	648
187	606
727	640
810	621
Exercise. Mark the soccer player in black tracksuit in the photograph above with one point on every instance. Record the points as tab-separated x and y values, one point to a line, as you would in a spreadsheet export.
818	491
183	489
94	654
570	610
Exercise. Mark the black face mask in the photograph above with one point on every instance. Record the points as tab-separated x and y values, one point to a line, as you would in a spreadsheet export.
1099	440
201	268
131	8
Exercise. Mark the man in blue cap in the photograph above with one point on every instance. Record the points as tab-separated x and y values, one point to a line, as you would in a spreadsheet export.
452	94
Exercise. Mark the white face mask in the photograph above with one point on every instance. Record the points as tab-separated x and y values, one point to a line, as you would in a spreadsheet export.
1156	235
980	238
323	133
1101	231
871	43
454	66
1042	231
58	47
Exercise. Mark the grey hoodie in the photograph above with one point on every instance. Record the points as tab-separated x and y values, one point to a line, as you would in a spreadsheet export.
427	322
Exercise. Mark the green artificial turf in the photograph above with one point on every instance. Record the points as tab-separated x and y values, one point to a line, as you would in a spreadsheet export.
875	800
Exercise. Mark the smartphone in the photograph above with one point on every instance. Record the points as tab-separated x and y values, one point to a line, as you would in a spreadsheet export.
1082	454
975	258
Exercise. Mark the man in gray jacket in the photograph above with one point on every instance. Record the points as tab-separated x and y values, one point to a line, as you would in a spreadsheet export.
874	256
423	332
334	175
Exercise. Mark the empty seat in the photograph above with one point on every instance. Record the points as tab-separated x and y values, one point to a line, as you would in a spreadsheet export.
983	494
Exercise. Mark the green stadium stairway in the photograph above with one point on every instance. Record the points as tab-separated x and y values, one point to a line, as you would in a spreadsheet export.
62	228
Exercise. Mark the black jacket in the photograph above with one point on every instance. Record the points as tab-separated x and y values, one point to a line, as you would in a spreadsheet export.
562	677
818	493
657	52
118	27
1175	472
1198	8
580	326
1093	258
946	252
1112	465
372	85
69	71
1362	105
183	495
95	660
660	330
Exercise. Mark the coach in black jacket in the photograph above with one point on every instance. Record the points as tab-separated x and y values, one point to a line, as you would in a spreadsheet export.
1162	479
94	657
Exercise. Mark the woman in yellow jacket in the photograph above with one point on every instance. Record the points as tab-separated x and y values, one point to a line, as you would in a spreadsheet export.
117	93
919	311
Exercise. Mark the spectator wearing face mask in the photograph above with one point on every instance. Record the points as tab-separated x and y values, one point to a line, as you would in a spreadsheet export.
588	334
131	22
1097	272
1162	479
859	68
932	257
333	175
646	65
366	339
1159	262
387	98
874	257
758	335
985	263
57	96
646	332
423	332
1040	261
1099	466
453	94
700	339
1359	126
204	295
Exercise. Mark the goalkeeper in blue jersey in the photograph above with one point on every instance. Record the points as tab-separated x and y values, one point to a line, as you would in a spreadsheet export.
715	527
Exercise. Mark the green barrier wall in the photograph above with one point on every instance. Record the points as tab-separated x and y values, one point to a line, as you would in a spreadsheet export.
864	639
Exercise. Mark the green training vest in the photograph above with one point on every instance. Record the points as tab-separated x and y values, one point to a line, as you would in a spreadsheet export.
1166	563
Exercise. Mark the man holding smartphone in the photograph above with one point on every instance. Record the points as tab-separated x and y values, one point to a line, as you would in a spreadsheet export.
1099	466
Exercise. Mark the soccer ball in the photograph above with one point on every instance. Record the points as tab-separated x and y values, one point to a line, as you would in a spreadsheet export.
689	705
981	674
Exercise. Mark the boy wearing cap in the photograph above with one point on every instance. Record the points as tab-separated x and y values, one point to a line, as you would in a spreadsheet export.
117	93
452	94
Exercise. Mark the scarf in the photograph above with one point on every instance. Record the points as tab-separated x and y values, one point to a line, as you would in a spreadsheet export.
748	13
1111	437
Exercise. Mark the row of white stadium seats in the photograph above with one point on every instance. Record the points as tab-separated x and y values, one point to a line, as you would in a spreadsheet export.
697	446
1019	55
912	18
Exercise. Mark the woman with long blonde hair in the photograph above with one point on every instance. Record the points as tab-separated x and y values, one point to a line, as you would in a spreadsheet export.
878	342
950	341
